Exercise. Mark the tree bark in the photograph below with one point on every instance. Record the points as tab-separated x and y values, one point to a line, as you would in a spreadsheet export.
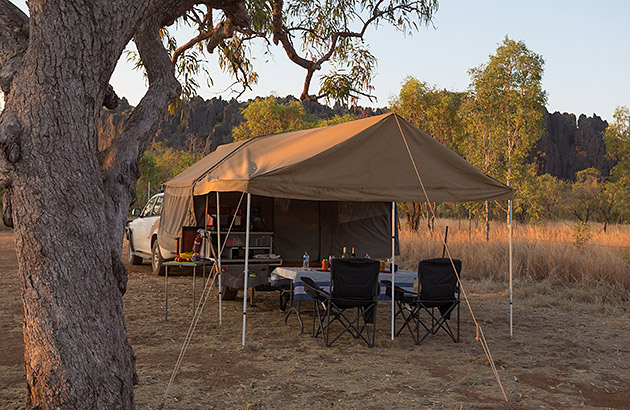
487	221
68	202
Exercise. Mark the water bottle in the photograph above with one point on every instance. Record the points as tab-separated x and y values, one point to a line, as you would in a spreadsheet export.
305	260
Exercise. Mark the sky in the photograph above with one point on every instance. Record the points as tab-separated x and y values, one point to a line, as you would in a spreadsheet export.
584	45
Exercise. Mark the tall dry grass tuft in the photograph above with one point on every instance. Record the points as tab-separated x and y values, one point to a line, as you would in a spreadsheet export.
541	252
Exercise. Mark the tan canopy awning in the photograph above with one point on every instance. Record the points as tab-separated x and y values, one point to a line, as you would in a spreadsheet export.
362	160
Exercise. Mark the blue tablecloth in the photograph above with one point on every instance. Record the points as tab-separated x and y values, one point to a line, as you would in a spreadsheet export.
283	276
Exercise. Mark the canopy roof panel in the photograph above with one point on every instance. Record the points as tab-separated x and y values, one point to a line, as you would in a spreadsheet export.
362	160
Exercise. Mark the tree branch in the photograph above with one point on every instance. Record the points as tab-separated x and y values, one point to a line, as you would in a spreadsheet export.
281	34
120	162
13	42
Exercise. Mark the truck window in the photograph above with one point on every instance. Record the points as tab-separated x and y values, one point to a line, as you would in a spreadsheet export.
148	208
157	209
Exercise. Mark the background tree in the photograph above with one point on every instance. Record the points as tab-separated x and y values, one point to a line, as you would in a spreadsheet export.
159	164
430	109
544	197
617	189
584	195
266	116
68	201
503	112
435	112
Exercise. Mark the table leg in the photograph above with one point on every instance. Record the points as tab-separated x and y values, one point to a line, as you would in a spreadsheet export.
194	296
166	292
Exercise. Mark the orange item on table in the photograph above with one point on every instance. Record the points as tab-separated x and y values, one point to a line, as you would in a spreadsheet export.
382	266
324	264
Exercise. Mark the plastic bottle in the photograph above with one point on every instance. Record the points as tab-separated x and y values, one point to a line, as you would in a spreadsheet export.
305	260
344	254
353	255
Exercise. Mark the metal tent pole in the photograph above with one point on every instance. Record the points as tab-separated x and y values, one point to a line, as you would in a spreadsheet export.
218	225
246	271
511	264
392	266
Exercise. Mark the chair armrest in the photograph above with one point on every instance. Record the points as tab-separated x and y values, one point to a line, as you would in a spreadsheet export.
400	292
311	289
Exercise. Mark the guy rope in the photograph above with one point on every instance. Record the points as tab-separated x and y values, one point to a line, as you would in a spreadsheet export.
479	332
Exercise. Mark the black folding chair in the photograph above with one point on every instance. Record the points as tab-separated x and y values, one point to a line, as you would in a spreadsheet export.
439	289
354	285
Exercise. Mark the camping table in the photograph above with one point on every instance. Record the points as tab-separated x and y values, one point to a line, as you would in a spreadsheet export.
194	265
404	278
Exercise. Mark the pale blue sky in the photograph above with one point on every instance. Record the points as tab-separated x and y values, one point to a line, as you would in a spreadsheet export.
584	44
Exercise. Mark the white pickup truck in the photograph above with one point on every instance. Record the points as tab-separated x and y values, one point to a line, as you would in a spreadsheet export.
142	235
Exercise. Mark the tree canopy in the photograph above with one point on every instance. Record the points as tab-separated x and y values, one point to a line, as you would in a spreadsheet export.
312	34
55	68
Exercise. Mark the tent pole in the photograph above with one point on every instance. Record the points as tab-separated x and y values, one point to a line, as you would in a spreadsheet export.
218	225
246	271
393	264
511	264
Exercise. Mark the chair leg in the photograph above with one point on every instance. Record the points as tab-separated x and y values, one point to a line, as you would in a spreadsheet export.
457	321
357	327
439	323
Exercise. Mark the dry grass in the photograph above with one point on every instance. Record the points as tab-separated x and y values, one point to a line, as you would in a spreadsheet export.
546	253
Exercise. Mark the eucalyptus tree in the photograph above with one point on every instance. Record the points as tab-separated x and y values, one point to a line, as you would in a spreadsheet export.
617	139
68	200
617	192
503	112
434	111
265	116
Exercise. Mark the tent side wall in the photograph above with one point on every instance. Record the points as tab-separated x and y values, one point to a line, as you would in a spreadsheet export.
321	228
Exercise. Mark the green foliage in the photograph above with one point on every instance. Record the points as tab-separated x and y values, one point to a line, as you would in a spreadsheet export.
435	112
582	234
266	116
541	198
315	33
430	109
503	112
584	195
158	165
617	138
502	115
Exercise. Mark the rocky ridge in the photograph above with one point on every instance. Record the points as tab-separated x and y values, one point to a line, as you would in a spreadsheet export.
566	147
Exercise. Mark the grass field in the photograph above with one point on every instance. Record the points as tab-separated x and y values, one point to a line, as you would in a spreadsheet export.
548	252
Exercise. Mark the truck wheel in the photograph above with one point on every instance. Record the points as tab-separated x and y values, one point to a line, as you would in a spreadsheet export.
131	258
228	293
157	263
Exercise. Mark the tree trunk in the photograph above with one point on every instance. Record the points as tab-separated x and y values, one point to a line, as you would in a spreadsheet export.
487	221
76	349
68	201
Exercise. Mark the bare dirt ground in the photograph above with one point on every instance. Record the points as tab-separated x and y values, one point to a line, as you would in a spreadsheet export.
562	355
